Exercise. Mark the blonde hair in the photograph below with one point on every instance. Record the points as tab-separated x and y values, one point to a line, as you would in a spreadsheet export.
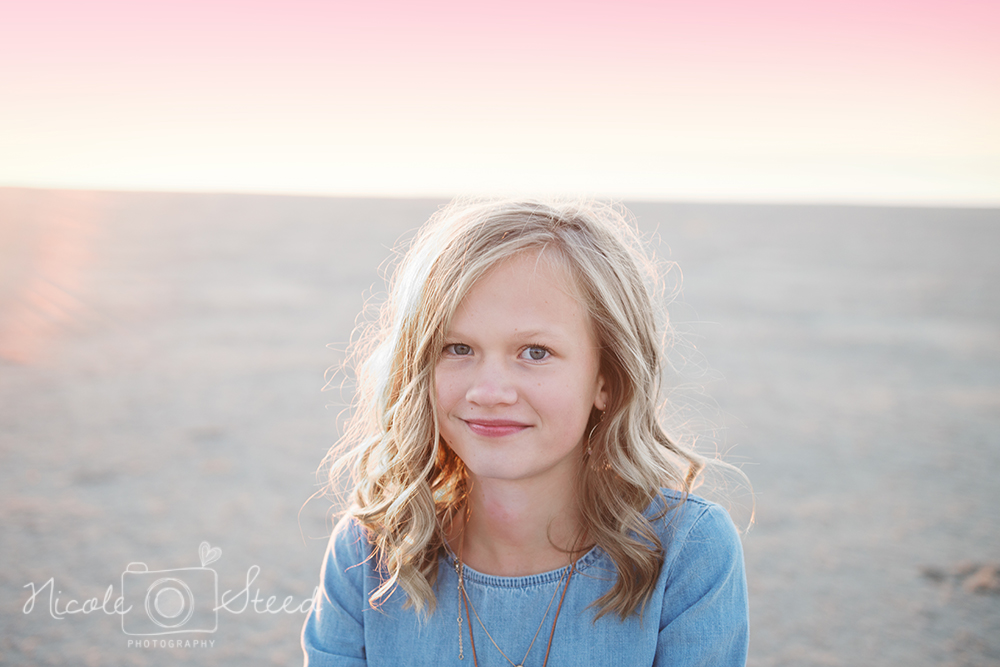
408	484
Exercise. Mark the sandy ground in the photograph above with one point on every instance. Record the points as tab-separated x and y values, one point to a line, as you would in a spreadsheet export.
162	359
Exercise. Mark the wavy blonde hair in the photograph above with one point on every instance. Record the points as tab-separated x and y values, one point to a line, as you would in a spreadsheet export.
408	485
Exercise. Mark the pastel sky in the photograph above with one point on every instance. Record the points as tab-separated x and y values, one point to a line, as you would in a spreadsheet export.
848	101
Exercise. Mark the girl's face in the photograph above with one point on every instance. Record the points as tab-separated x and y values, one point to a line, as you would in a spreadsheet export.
519	374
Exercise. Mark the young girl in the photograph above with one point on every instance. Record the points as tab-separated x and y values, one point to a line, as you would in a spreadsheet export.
516	500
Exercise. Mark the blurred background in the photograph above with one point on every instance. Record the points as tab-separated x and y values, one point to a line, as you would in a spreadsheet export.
196	200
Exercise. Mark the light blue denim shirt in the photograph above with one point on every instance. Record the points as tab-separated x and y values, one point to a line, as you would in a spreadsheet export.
698	614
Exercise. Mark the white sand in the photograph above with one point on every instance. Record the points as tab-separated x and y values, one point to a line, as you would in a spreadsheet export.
162	356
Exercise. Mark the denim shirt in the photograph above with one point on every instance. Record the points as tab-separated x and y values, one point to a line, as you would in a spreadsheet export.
698	613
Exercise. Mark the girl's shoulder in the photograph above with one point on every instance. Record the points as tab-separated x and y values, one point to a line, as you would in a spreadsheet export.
698	537
678	508
690	526
350	542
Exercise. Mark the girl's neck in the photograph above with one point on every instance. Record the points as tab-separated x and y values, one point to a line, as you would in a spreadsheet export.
515	529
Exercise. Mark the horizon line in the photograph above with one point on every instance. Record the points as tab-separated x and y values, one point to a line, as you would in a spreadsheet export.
720	200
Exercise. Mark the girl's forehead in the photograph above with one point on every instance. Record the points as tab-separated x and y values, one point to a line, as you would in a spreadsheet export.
541	282
543	268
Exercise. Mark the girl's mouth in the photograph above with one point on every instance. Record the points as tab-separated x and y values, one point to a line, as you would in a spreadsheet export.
494	428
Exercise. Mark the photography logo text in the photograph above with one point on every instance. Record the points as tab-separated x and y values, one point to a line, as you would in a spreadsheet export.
156	603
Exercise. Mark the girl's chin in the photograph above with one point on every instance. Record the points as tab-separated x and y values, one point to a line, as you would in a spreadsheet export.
564	473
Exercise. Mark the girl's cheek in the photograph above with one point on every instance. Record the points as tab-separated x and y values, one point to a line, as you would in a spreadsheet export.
445	386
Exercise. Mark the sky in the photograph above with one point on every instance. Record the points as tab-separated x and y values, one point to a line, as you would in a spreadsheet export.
853	101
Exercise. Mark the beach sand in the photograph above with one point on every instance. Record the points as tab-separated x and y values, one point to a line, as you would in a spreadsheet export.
163	360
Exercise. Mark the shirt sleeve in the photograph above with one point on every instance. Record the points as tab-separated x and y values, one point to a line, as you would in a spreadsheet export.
705	616
334	633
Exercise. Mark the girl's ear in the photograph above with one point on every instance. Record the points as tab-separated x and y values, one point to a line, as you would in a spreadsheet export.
601	400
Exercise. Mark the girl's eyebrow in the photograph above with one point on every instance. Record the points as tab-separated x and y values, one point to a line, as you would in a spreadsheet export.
538	333
527	334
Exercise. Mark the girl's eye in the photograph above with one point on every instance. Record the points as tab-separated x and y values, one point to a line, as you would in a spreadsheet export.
535	353
458	349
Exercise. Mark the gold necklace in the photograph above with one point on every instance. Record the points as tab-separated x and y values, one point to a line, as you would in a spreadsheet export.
463	597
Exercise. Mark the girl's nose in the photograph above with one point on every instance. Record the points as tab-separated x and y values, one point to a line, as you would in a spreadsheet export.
491	386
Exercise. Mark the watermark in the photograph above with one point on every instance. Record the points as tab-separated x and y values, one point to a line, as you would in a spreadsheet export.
170	643
154	603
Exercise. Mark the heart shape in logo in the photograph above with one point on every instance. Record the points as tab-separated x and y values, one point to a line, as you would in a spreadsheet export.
208	554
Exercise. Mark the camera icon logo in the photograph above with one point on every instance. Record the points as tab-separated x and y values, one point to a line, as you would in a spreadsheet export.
165	602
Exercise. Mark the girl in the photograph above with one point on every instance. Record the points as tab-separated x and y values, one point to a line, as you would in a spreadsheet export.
516	501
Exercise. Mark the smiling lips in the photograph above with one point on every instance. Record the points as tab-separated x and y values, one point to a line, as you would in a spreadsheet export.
494	428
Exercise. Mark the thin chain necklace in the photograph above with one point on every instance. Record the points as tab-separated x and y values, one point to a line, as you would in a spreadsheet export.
463	599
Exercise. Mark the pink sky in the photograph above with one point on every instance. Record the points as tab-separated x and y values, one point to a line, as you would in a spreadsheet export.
833	101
